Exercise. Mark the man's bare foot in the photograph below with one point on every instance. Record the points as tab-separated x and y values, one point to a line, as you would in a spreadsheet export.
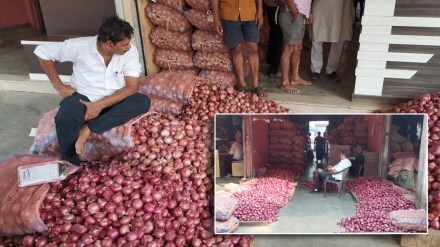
290	89
301	81
84	132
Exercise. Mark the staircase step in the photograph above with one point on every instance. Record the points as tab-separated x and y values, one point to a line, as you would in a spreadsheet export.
4	31
13	35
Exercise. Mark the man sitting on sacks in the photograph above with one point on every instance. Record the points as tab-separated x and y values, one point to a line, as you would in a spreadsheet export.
335	172
104	85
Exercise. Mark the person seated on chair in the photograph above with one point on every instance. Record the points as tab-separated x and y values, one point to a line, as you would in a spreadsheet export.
237	153
334	172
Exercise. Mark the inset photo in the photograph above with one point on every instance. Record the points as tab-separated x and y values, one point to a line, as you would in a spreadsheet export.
321	174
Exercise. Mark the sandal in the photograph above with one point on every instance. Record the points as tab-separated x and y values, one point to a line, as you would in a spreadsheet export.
259	91
240	88
273	75
290	89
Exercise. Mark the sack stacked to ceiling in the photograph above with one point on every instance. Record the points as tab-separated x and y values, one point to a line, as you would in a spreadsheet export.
353	131
286	145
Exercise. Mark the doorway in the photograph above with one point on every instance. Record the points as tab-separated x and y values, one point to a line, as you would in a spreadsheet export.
319	128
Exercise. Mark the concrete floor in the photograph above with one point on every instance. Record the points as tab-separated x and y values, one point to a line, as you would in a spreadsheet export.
19	112
306	213
13	61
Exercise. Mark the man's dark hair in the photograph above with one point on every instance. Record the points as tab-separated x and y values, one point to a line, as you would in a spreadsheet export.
238	128
114	29
346	153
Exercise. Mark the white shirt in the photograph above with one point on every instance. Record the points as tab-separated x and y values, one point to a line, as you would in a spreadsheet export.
90	76
236	151
345	163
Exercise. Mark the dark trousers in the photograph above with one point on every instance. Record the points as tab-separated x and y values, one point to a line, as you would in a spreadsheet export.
321	177
319	154
362	6
275	44
70	118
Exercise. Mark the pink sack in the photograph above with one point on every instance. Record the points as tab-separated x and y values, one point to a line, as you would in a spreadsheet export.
199	19
97	147
213	61
175	86
164	39
178	5
411	220
20	207
206	41
224	207
199	4
172	60
163	16
228	226
223	78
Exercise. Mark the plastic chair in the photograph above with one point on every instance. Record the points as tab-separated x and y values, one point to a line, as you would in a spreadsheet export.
340	184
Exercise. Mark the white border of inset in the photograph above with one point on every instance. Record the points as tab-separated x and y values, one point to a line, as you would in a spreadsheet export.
425	128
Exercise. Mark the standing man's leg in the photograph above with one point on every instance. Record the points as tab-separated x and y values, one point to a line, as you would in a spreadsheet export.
237	60
68	121
296	79
234	40
286	22
252	37
285	66
333	61
254	62
129	108
316	60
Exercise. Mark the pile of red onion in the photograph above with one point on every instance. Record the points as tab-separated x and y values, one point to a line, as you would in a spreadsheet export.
263	198
377	199
430	104
283	172
158	193
208	99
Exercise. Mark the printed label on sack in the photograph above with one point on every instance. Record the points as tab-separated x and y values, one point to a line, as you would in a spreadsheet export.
40	174
209	16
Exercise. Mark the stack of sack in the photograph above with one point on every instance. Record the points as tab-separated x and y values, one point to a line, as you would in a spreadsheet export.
353	131
186	39
171	35
402	170
286	145
211	55
399	143
225	206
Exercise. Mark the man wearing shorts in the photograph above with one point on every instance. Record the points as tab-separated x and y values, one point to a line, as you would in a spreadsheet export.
292	19
239	21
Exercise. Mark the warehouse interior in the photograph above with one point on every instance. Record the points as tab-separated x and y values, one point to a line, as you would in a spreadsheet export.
316	213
